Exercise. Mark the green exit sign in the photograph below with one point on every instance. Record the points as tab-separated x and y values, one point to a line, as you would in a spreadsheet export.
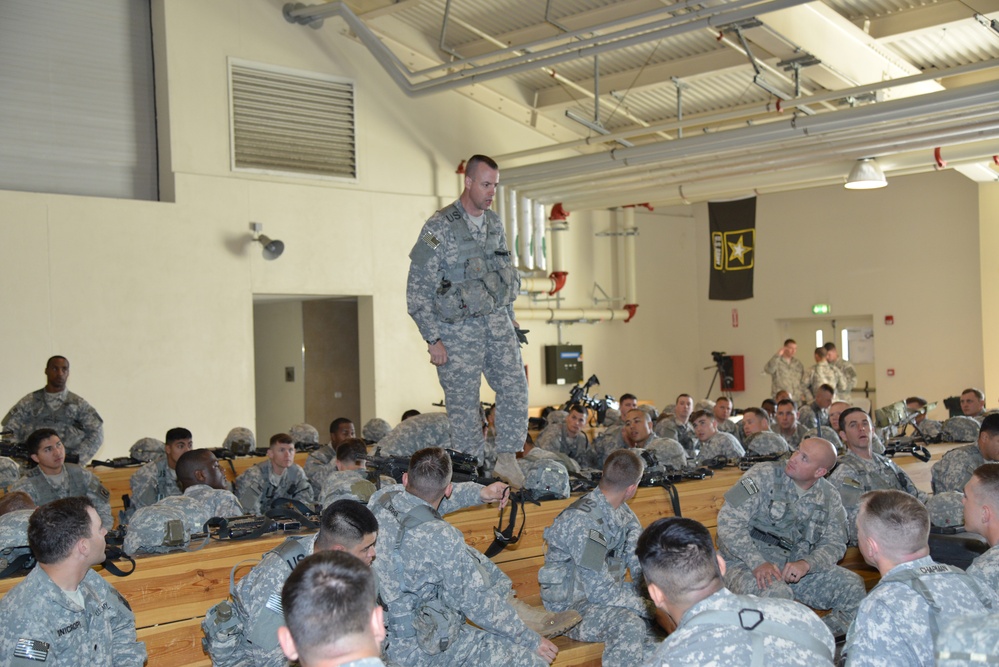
821	309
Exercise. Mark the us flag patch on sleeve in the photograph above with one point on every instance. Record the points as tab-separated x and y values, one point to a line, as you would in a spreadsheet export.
31	649
430	240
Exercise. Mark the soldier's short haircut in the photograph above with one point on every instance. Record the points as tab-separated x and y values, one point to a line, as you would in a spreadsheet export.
190	462
849	411
282	438
345	523
682	396
409	413
821	352
337	423
576	407
473	163
917	399
429	473
987	475
625	397
990	424
768	401
53	358
899	522
35	440
622	469
697	414
177	433
645	415
977	392
14	501
787	401
723	398
827	387
56	527
677	555
760	413
790	341
327	599
830	346
352	451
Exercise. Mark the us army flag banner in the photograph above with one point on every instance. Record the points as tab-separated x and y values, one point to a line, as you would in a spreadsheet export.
733	249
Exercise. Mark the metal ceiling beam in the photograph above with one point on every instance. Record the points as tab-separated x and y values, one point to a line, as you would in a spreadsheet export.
918	19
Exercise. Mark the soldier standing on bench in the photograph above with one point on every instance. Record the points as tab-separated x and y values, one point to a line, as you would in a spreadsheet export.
782	532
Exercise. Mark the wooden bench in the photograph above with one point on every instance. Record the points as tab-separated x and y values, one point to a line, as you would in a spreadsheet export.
170	593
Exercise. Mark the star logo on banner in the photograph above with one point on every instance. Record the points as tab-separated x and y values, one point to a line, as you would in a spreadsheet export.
737	251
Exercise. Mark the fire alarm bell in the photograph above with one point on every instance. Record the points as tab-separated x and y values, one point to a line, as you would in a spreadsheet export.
889	320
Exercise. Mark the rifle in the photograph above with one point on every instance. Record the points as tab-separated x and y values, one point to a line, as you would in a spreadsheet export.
117	462
907	445
245	527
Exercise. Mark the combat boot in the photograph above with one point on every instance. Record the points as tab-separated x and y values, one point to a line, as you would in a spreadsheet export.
508	469
545	623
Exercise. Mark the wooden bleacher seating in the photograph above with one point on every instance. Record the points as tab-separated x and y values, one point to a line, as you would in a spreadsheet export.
170	593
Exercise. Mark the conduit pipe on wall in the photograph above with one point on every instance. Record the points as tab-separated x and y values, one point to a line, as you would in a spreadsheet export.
555	281
574	314
525	241
510	205
630	272
540	246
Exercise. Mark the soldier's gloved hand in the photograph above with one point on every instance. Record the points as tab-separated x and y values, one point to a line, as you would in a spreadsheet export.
522	335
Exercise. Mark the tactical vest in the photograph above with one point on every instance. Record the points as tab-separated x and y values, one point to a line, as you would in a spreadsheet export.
914	579
482	280
43	492
779	520
863	480
756	623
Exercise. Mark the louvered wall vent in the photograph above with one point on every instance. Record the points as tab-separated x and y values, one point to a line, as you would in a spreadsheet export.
288	121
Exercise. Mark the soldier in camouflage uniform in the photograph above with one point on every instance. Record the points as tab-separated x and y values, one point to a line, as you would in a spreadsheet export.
63	612
712	442
319	461
460	292
713	625
723	411
788	426
567	438
349	477
973	404
817	412
861	470
10	472
627	403
430	429
954	470
157	479
15	512
782	531
345	525
847	373
981	515
900	619
54	478
638	425
786	372
930	428
969	641
820	374
591	546
758	439
431	581
277	477
678	427
55	407
338	593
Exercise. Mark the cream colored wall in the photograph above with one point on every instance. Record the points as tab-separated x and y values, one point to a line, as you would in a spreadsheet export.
277	340
988	211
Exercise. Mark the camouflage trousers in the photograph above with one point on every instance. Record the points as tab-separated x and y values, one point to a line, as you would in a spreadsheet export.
475	347
838	590
626	636
472	647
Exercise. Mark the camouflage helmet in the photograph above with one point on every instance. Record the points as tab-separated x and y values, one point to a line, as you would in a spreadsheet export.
157	528
826	433
668	411
375	429
14	529
240	441
547	480
304	433
650	410
557	417
612	417
147	449
9	472
766	443
946	509
704	404
961	429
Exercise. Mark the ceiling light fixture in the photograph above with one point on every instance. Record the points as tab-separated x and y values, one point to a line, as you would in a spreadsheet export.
866	175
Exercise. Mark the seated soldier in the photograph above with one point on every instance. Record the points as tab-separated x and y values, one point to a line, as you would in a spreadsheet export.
568	437
954	470
331	613
345	526
930	428
205	495
668	452
861	470
431	429
426	570
788	426
981	516
53	478
782	533
713	443
318	461
769	405
63	612
759	439
816	412
713	625
677	427
157	479
973	404
627	403
723	413
277	477
349	477
591	547
902	615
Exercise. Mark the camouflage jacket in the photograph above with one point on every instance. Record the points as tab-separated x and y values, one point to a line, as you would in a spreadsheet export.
14	528
430	429
256	489
77	482
818	375
728	645
682	433
848	375
153	482
765	499
985	568
786	375
43	626
318	464
554	438
79	426
720	444
954	469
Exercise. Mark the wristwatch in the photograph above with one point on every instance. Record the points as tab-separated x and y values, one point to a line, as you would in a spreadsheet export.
435	340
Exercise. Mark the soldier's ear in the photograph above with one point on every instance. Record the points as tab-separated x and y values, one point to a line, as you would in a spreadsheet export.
34	457
287	643
377	624
657	595
722	565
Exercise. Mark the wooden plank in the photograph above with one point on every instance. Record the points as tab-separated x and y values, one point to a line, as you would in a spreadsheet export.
175	644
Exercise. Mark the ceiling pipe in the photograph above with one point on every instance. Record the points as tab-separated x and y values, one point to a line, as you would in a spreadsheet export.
509	196
525	232
573	314
630	230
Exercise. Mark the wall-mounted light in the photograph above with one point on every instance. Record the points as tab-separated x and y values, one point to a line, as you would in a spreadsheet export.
866	175
272	247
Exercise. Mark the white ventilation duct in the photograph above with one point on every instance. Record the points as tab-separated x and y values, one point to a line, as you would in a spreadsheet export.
510	218
540	260
525	245
572	314
630	273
